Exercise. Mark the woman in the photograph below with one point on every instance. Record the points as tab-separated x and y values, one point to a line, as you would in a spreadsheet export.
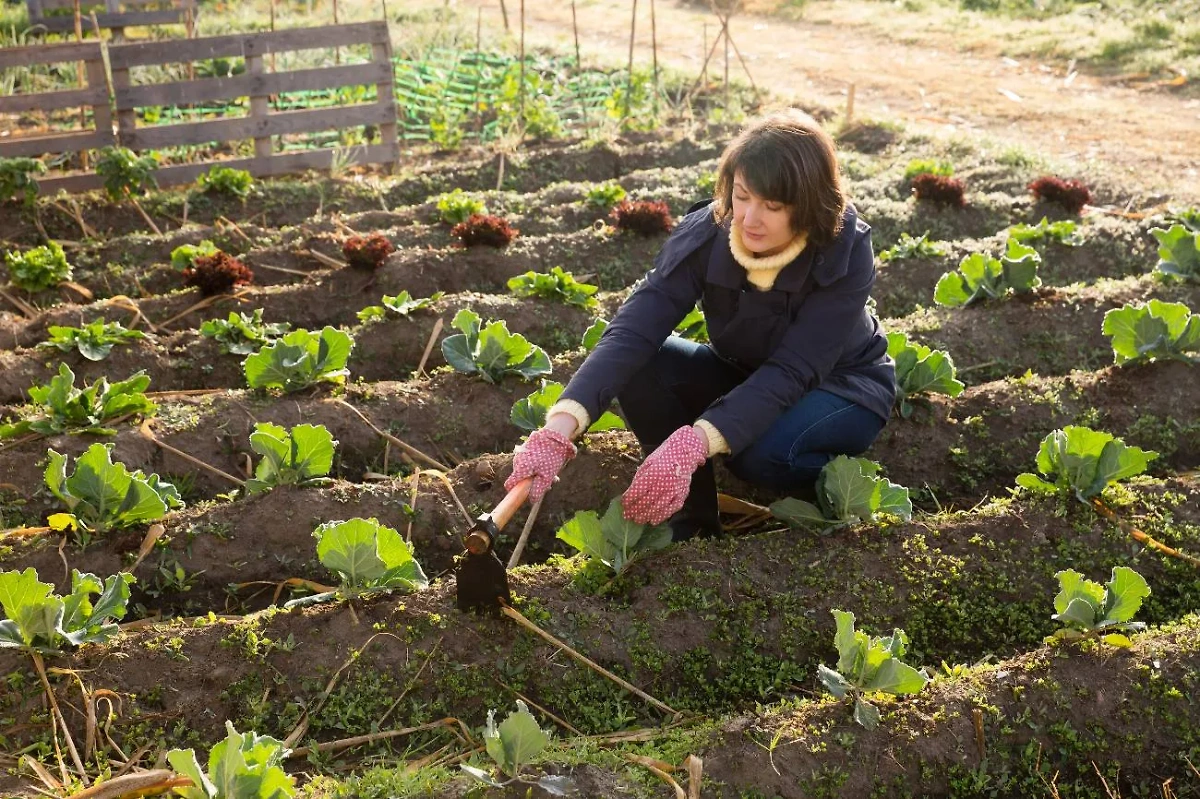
797	371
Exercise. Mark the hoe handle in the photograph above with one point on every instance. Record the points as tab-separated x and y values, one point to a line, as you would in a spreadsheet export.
479	537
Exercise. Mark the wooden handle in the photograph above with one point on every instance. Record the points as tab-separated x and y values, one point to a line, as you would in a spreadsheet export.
511	503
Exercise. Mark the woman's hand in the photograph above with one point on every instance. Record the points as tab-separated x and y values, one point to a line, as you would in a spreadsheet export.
661	483
543	455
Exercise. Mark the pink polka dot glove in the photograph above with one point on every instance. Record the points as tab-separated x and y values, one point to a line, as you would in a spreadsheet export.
541	457
662	481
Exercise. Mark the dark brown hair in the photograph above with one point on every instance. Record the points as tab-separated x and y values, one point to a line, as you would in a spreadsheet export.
787	158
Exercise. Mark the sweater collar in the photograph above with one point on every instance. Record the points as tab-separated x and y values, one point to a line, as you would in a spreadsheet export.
772	263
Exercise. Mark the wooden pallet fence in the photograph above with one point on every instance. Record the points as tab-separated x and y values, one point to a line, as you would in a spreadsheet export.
114	15
94	96
261	124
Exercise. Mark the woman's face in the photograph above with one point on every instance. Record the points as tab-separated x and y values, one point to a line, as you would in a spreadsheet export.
766	225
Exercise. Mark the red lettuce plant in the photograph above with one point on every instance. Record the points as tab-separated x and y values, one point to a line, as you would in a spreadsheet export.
645	217
484	229
1070	194
216	274
941	189
367	252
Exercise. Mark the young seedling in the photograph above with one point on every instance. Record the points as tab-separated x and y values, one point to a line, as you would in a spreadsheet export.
909	247
301	456
1063	231
848	492
980	277
604	196
940	190
243	766
59	407
242	334
512	744
1178	252
38	620
458	206
101	495
368	557
38	268
920	371
94	340
1088	609
612	539
484	230
591	336
367	253
401	304
1152	331
128	176
555	285
1081	461
216	274
869	665
927	166
226	180
185	255
490	351
644	217
530	413
300	359
16	179
693	326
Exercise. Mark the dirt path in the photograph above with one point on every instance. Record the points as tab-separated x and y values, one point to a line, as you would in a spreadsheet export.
1150	138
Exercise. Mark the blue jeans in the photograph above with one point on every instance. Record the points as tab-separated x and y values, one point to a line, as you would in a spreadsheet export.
684	378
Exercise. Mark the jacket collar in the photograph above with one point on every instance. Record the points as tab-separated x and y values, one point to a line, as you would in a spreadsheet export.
825	265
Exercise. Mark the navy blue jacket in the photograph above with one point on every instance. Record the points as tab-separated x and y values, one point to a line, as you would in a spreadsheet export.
812	328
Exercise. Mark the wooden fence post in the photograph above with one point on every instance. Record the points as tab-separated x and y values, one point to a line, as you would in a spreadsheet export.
385	95
260	106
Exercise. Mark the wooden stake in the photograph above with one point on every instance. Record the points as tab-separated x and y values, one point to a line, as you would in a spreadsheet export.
521	87
519	549
437	328
629	84
411	450
337	51
504	13
345	743
725	35
849	120
704	49
575	31
654	52
80	68
142	211
149	435
516	616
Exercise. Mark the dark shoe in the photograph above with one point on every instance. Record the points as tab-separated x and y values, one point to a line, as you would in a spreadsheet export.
685	526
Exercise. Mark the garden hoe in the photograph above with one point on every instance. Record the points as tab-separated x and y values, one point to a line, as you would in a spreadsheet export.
481	579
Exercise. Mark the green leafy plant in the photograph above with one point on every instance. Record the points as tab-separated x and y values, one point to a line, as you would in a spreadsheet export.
301	456
38	619
368	557
243	766
920	371
1064	232
927	166
94	340
1084	462
243	334
38	268
458	206
706	183
554	285
1178	252
981	277
1152	331
401	304
226	180
849	491
101	495
301	359
693	326
59	407
16	178
591	336
612	539
1088	609
185	255
604	195
490	351
909	247
1188	217
530	413
512	744
868	665
126	173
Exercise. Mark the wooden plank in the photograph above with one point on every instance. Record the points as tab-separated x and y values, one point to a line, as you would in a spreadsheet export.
278	164
52	101
128	19
174	52
48	53
386	97
101	110
284	123
260	106
53	183
249	85
34	146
